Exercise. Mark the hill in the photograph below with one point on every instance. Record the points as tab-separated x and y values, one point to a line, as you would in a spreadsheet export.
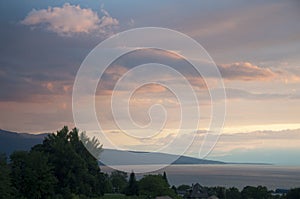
13	141
118	157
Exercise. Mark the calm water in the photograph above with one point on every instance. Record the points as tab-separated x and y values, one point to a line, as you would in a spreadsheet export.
231	175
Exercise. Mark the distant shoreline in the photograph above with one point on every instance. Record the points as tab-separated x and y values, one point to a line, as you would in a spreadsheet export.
227	175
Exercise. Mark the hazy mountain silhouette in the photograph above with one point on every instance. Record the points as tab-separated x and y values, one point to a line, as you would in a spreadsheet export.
13	141
117	157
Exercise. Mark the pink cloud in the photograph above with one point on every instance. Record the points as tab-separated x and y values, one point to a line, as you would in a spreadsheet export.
246	71
70	19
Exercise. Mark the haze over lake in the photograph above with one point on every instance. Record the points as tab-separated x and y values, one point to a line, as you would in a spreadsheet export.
229	175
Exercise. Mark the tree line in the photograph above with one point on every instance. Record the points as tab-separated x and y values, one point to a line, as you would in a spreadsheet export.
248	192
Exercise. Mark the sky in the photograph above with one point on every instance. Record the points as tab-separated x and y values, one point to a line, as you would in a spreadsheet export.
255	46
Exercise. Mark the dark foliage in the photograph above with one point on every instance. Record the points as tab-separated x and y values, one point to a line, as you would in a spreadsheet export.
293	194
132	188
183	187
259	192
119	181
165	178
5	183
233	193
61	167
32	175
155	185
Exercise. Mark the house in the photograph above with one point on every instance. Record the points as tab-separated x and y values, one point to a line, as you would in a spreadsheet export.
181	193
196	192
280	192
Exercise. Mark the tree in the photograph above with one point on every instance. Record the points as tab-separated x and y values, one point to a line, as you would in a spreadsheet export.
92	145
119	181
5	184
32	175
107	184
174	188
60	167
132	188
39	176
293	193
233	193
76	170
255	192
183	187
18	165
220	192
165	178
155	185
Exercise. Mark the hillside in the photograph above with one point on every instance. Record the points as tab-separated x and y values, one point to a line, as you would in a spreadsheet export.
12	141
117	157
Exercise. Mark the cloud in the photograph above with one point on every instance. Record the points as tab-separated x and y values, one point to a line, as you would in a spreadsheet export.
246	71
145	56
282	139
239	71
236	147
45	116
114	132
242	71
153	88
16	87
233	93
231	143
70	19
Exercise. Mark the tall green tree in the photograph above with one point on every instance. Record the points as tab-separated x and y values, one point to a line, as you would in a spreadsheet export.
174	188
5	183
32	175
132	188
18	165
91	144
107	184
60	167
165	178
39	176
119	181
76	170
155	185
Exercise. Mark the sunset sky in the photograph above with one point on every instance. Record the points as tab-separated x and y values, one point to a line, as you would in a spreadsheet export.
255	45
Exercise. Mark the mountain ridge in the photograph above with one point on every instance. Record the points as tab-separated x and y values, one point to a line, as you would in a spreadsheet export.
14	141
118	157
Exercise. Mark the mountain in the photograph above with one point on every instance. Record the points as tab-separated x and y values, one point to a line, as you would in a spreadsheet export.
118	157
13	141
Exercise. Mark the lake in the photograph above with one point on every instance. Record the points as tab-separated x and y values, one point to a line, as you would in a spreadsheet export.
229	175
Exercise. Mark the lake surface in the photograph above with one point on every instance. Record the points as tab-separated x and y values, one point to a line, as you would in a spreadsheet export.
229	175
